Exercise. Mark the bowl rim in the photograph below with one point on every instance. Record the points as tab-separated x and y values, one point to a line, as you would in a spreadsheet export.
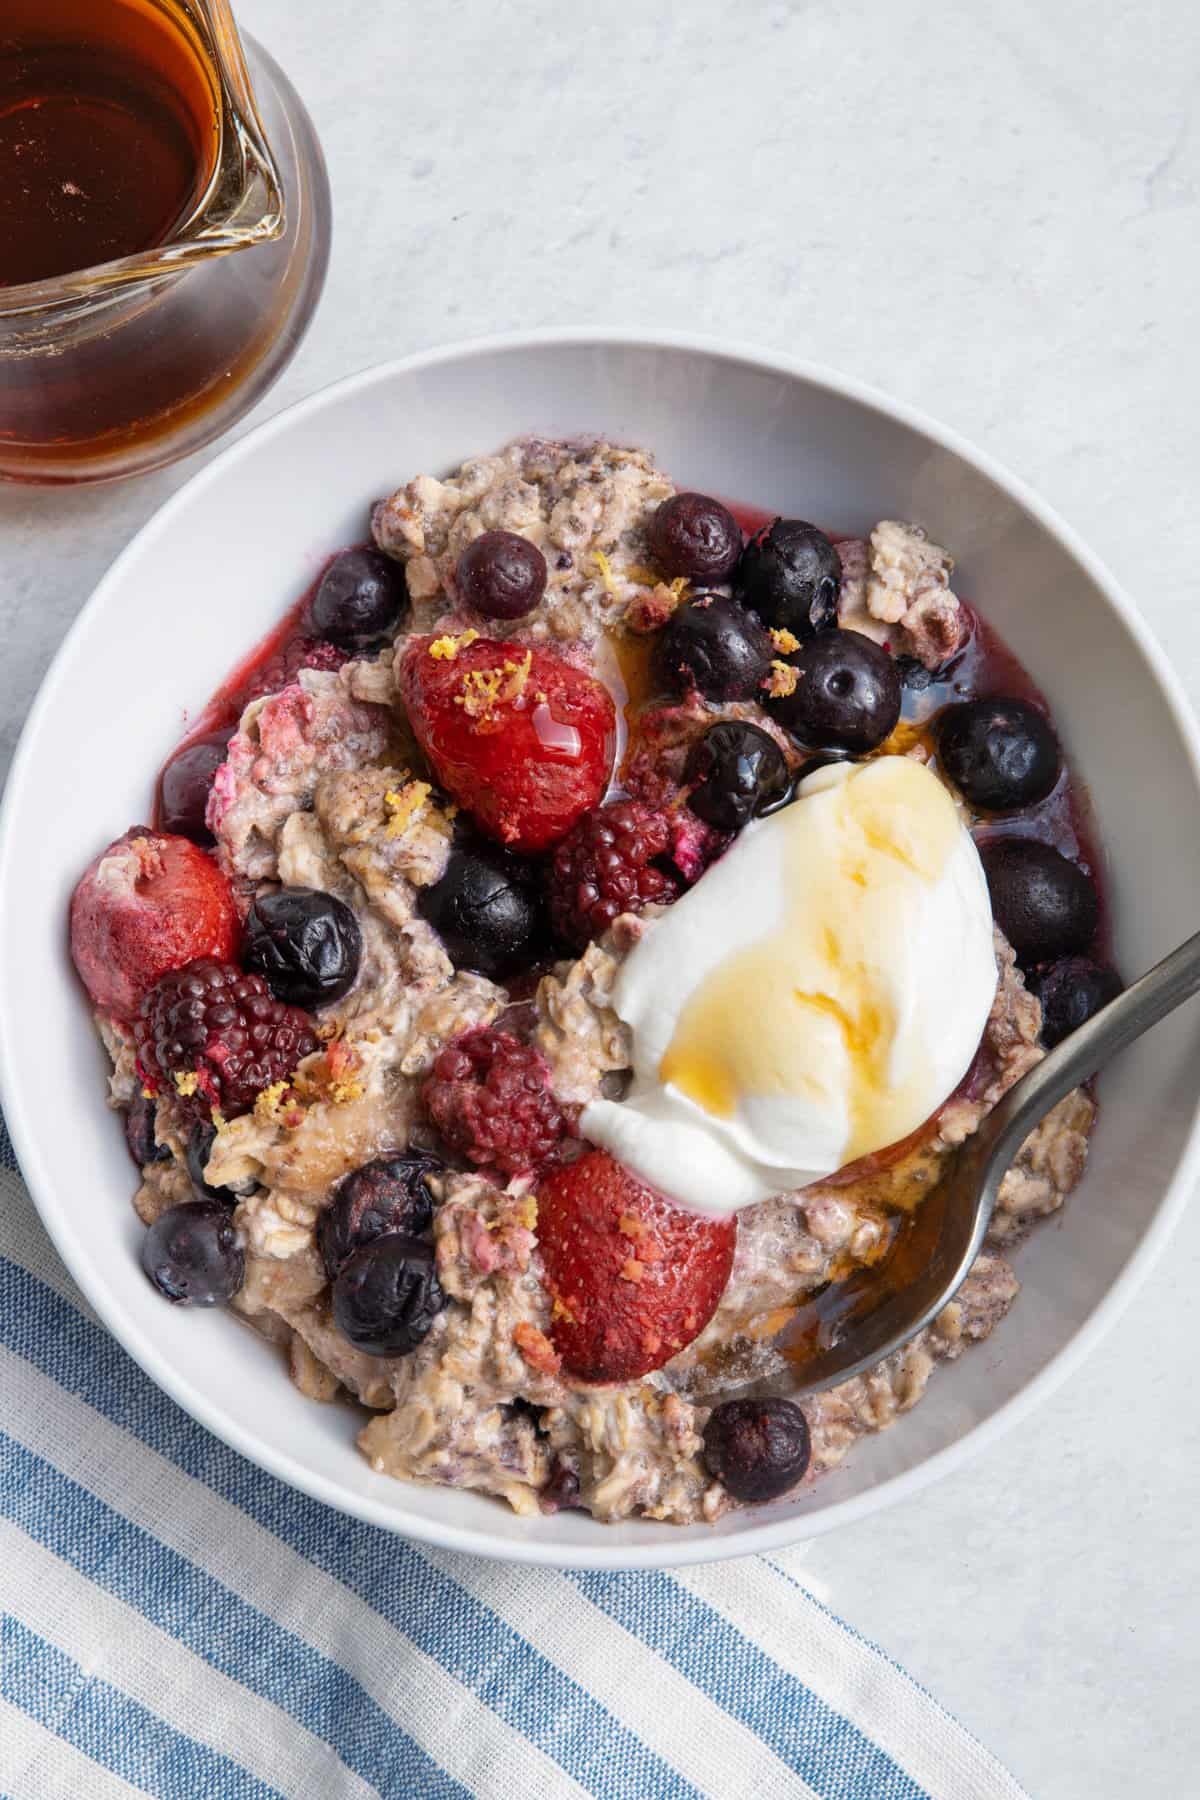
673	1550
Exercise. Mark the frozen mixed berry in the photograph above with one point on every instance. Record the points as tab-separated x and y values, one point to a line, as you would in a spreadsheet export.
612	862
790	575
192	1255
305	944
390	1194
757	1449
386	1296
1000	754
714	647
1045	905
1071	992
633	1278
186	782
281	670
486	908
360	600
734	771
140	1119
149	903
213	1031
522	739
489	1096
501	575
691	535
847	693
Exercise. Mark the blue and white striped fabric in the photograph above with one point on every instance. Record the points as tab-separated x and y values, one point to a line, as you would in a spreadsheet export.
176	1623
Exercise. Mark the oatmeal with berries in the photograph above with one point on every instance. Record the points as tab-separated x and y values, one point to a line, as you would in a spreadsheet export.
567	957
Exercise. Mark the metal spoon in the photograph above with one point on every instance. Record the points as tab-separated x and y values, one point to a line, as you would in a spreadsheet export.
877	1317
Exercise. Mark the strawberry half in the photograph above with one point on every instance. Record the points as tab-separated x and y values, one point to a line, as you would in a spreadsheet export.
633	1278
521	739
149	903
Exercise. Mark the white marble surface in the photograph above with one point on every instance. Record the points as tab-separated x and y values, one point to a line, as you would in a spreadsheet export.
991	211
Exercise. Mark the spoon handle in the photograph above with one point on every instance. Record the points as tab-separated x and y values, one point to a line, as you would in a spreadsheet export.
1164	987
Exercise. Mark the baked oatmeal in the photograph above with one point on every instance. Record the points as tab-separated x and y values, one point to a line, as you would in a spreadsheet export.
571	953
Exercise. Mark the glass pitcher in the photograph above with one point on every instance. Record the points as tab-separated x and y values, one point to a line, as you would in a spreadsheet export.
125	365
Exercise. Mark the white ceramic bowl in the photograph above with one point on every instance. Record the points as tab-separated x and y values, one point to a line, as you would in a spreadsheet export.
218	565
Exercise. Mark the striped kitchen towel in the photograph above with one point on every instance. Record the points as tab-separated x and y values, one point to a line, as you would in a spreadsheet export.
175	1622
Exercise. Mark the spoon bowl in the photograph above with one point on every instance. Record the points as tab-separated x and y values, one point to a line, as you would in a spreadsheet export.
875	1314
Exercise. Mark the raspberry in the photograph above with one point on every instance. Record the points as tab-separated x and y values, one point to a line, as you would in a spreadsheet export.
286	664
489	1096
606	866
633	1278
224	1027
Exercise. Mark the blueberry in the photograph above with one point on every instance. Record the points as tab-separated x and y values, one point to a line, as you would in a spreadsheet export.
361	599
1045	906
914	675
735	770
692	535
197	1151
186	783
716	646
790	575
140	1117
501	575
389	1194
386	1296
1000	754
757	1449
1070	992
306	945
847	692
192	1255
824	759
486	908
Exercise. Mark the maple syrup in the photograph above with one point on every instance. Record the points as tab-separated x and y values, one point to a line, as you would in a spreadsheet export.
164	232
109	131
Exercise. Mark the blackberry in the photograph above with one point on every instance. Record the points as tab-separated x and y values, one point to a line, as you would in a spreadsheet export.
212	1021
489	1096
606	865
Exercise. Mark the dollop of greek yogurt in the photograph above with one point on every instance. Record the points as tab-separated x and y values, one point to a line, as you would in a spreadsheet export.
815	998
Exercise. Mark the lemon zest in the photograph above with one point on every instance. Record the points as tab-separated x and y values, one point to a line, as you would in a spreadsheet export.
404	804
445	649
606	574
486	689
782	680
186	1085
784	641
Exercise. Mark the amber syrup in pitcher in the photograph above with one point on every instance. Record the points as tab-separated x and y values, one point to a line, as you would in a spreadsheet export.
109	121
